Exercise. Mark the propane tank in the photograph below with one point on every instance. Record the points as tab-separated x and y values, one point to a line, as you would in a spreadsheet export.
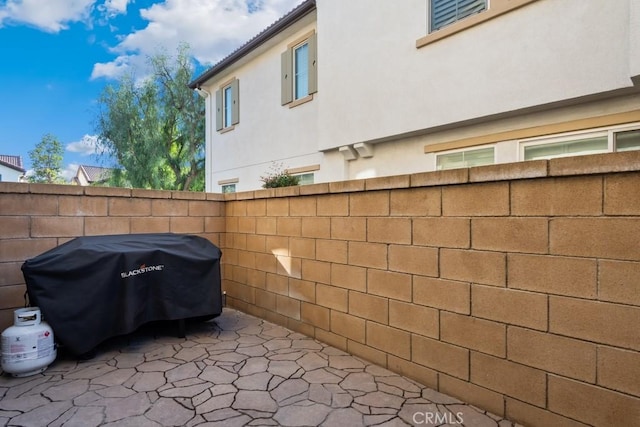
27	346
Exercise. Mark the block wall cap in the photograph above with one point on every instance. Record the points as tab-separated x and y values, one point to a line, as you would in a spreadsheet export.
509	171
14	187
596	163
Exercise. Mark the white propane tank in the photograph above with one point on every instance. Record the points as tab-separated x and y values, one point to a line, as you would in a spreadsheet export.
27	346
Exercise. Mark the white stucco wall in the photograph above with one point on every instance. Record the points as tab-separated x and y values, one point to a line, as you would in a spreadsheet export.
9	175
376	83
267	131
634	39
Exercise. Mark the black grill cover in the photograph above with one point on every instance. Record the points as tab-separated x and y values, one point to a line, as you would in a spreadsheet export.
93	288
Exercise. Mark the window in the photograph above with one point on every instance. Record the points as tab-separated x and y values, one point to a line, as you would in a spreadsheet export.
465	158
229	188
227	105
301	71
579	147
305	178
627	140
621	138
299	74
445	12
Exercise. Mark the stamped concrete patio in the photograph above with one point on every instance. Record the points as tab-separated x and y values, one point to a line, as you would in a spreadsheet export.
235	370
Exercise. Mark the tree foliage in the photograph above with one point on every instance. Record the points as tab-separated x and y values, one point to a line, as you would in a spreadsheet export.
46	160
154	129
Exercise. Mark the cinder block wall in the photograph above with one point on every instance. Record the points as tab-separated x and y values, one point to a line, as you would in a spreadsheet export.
38	217
513	287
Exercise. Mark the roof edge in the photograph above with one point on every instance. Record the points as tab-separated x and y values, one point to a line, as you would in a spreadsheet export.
12	166
287	20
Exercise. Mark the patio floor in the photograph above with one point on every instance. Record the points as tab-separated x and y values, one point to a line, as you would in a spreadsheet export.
234	370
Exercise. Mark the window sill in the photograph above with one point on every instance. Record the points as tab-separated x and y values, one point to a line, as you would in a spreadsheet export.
301	101
227	129
497	8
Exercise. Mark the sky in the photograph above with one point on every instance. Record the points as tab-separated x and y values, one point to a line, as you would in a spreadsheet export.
56	56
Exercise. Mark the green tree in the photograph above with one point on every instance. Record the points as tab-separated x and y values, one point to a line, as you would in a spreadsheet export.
46	160
154	129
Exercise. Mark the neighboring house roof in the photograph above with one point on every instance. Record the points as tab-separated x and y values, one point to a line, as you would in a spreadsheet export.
287	20
94	173
13	162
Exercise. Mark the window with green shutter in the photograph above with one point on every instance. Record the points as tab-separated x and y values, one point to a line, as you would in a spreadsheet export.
445	12
299	78
228	105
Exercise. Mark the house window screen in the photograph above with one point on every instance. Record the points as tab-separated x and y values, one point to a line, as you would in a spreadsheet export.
552	150
228	102
445	12
227	105
465	159
628	141
301	65
305	178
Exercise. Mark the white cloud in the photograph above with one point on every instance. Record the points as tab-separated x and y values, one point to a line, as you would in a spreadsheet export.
50	15
212	28
112	69
86	146
115	7
69	171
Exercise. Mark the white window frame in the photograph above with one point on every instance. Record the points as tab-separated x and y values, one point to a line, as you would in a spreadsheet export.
609	131
462	150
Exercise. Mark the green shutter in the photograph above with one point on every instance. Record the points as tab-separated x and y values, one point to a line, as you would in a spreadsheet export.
286	77
235	96
313	62
218	107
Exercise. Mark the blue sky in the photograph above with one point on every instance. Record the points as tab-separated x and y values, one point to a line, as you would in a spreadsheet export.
57	55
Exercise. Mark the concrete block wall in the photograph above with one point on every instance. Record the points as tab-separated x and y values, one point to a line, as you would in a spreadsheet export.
37	217
514	287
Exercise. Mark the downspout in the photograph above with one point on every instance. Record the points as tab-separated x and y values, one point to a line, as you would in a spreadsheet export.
208	151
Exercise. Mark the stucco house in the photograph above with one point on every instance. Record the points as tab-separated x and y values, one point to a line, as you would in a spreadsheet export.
359	89
89	175
11	168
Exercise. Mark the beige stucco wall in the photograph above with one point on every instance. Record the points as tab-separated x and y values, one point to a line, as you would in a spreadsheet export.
548	59
376	83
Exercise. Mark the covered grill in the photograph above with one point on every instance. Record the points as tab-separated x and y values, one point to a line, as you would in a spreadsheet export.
93	288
